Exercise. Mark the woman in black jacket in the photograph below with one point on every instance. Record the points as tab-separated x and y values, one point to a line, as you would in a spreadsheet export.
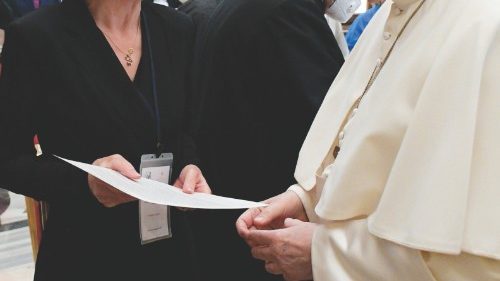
94	79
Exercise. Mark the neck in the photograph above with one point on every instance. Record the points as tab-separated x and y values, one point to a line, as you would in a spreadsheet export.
116	15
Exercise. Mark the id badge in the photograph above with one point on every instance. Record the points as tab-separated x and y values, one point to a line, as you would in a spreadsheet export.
154	219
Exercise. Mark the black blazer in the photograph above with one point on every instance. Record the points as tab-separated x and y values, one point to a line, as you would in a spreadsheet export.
62	81
266	67
7	13
199	10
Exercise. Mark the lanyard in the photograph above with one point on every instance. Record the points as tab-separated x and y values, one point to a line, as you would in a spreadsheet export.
159	145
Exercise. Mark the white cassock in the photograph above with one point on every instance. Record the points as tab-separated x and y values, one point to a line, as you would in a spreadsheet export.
414	193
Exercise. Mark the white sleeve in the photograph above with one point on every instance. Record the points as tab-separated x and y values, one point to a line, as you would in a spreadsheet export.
347	251
308	199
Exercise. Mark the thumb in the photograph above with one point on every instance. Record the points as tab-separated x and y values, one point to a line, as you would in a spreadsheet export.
125	168
289	222
189	181
131	174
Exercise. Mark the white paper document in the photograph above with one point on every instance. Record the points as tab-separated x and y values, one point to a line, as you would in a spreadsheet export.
161	193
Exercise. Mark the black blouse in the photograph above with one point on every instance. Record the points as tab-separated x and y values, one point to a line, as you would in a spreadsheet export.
62	81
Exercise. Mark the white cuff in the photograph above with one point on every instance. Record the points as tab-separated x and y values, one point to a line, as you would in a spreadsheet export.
308	200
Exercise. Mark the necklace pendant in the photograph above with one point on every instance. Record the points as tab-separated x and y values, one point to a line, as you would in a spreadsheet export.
129	60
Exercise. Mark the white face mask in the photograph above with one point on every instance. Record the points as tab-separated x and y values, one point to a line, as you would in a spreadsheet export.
343	10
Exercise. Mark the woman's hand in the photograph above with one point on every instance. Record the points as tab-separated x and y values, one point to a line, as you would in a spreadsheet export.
105	193
191	180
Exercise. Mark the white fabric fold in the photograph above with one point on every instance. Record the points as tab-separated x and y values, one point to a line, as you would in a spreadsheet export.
420	158
346	251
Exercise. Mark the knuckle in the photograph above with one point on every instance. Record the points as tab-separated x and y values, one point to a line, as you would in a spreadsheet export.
115	156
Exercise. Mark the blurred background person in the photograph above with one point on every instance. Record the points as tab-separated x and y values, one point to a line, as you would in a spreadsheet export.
97	79
6	16
199	10
21	8
174	4
359	24
338	32
338	13
4	201
265	68
13	9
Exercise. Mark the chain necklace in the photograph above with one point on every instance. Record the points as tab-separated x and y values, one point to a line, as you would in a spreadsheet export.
130	51
375	73
381	63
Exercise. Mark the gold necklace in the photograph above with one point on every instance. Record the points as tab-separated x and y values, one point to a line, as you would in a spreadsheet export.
381	64
375	73
130	51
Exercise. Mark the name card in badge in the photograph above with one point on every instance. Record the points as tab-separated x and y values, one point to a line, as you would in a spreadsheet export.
154	220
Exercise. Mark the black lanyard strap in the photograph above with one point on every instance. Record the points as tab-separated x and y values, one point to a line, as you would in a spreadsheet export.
159	145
